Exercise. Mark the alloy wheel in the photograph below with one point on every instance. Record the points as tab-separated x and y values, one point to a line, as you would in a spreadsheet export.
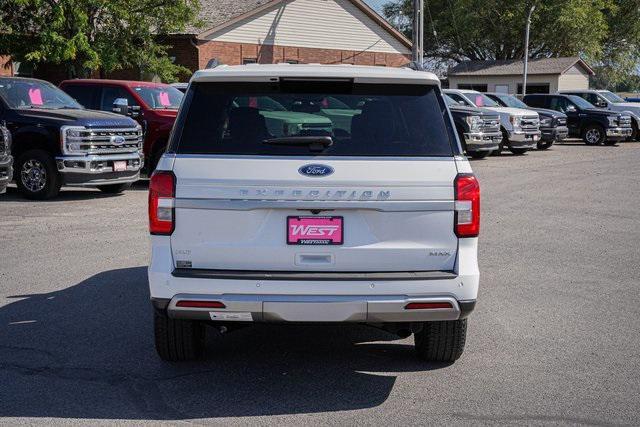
33	175
593	136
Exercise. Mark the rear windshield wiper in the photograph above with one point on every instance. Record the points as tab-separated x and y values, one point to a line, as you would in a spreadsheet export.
315	143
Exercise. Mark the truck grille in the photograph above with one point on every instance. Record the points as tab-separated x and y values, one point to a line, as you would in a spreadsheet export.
529	122
490	124
103	141
624	121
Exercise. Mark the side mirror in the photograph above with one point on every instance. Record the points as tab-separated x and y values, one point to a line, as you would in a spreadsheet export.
121	106
602	104
134	111
571	109
462	103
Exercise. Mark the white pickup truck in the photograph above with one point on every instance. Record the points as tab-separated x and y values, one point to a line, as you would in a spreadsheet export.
374	222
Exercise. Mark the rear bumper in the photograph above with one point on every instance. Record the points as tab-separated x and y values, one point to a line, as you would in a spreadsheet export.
316	308
297	296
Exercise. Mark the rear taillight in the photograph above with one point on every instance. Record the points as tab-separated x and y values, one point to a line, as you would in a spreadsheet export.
467	213
162	192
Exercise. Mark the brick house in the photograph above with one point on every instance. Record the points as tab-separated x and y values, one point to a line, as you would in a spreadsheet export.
298	31
271	31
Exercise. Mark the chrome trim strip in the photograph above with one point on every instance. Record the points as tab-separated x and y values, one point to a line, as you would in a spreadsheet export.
383	206
195	273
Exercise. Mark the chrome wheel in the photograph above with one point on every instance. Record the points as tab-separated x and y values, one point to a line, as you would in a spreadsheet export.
593	136
33	175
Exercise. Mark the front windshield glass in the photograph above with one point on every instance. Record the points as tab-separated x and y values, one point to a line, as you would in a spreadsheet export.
512	101
160	97
481	100
611	97
580	102
28	93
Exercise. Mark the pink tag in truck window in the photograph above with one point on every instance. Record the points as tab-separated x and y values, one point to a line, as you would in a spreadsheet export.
35	96
164	99
314	230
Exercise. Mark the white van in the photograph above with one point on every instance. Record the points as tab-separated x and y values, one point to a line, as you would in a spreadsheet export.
374	220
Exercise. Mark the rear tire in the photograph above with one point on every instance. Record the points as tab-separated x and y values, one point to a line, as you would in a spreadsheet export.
518	151
441	341
479	154
544	145
178	340
114	188
37	176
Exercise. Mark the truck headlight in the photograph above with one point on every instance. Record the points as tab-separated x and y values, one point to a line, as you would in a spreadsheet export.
613	121
546	122
71	139
475	123
515	121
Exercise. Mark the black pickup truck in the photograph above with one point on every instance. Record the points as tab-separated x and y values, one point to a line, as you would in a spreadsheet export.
594	125
553	124
55	141
478	128
6	160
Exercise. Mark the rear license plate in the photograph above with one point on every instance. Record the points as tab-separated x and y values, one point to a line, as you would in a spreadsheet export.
315	230
119	166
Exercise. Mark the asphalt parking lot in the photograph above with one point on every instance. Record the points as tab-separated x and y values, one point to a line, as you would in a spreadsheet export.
555	338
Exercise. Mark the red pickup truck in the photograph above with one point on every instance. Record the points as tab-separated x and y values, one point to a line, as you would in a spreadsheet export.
153	105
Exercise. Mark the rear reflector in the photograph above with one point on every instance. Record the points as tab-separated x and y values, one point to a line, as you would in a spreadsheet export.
200	304
427	305
467	210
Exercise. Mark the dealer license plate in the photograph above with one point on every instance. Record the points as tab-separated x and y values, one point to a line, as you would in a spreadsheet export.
315	230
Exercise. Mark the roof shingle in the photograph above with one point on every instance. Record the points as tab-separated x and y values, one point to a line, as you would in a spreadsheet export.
514	67
216	12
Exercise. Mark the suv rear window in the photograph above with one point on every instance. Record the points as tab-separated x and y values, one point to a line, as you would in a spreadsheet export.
289	118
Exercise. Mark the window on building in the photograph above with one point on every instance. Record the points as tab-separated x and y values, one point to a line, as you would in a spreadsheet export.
502	89
473	86
534	88
249	61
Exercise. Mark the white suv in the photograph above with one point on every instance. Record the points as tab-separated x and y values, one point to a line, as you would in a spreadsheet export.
372	220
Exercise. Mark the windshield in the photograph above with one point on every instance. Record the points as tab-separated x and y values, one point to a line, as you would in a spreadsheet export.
580	102
238	119
160	97
448	100
512	101
611	97
481	100
28	93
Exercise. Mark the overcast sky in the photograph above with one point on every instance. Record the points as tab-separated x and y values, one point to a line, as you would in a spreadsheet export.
377	4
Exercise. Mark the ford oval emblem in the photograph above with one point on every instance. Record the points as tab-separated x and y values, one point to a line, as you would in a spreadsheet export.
316	170
117	140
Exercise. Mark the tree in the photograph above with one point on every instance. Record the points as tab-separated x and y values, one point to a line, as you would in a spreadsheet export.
95	35
604	32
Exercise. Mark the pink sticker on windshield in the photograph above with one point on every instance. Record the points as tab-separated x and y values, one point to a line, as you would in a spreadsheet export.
479	102
164	99
35	96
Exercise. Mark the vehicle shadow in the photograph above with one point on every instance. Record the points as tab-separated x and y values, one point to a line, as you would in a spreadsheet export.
87	352
72	193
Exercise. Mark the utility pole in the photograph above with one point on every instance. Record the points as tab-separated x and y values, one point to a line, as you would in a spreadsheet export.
418	32
526	51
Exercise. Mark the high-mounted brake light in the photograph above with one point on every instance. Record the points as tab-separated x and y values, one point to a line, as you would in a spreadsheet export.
467	206
162	192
